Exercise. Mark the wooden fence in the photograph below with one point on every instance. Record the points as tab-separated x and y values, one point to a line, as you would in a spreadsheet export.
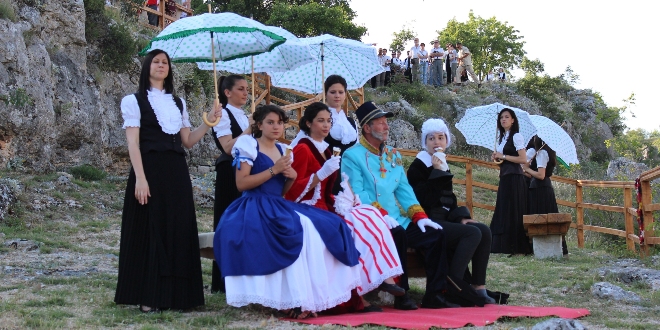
164	18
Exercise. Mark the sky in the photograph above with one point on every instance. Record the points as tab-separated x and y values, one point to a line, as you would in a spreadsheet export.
608	44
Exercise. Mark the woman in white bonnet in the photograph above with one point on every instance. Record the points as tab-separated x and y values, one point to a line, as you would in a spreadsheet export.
466	239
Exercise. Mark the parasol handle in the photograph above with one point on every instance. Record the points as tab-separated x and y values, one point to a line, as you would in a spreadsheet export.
496	161
215	83
322	70
253	86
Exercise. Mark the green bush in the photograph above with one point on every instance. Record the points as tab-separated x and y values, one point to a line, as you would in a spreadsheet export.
112	36
413	93
87	172
7	11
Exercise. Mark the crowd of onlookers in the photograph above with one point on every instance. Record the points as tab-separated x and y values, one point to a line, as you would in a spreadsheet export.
433	66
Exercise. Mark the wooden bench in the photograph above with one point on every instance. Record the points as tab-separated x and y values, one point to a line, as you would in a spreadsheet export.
546	231
415	260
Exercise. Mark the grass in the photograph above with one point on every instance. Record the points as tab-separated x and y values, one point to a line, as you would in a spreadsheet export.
85	300
7	11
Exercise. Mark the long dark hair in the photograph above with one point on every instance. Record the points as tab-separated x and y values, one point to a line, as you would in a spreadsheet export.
260	114
311	112
335	79
539	145
514	127
145	74
227	82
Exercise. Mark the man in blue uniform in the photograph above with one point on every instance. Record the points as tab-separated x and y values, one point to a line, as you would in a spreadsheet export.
376	174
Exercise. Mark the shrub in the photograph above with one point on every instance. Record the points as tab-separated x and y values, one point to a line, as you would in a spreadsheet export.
87	172
113	37
413	93
7	11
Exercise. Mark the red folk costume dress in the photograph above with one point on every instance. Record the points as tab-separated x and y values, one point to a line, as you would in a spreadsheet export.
378	255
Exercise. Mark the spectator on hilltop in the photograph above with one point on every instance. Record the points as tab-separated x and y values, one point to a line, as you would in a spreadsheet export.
387	60
451	63
407	65
501	75
465	62
437	53
414	60
423	56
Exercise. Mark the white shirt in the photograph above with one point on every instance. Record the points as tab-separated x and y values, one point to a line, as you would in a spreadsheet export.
398	62
342	130
542	159
423	53
385	59
414	51
170	118
518	142
224	126
439	53
453	56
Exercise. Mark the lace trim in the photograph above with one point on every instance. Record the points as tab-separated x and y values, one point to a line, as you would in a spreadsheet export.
165	109
131	123
304	192
342	130
368	287
316	197
240	300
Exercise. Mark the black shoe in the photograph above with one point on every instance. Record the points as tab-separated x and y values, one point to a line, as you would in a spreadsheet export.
405	303
437	301
393	289
371	308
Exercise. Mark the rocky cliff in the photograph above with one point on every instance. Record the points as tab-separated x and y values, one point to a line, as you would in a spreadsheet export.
59	109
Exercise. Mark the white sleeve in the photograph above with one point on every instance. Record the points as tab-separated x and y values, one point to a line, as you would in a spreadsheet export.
224	126
530	153
519	141
130	111
542	159
245	149
185	122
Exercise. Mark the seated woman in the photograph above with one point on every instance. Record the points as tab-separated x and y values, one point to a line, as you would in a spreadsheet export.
317	171
274	252
466	239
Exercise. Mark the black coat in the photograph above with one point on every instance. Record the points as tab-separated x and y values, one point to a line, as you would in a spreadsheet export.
434	191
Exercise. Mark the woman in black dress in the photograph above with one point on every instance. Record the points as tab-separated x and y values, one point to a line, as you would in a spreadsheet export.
507	224
541	195
159	265
233	93
466	240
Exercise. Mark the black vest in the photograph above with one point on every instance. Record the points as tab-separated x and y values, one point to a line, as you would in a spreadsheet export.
535	183
507	167
332	142
152	137
235	132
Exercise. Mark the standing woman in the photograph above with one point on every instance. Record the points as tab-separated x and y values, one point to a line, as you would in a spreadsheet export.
233	123
159	265
343	133
507	224
541	195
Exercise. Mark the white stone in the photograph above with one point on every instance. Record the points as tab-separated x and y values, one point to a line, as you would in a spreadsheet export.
548	246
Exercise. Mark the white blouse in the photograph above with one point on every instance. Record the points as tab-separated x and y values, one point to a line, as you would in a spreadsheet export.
246	145
530	154
342	130
224	126
542	159
170	119
518	142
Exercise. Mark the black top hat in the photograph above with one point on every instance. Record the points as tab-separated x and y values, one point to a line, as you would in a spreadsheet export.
368	111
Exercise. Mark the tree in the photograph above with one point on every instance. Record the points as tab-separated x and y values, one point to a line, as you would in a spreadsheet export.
532	67
301	17
491	42
638	145
400	39
313	19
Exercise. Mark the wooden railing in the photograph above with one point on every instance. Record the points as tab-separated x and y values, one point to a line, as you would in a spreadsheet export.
163	18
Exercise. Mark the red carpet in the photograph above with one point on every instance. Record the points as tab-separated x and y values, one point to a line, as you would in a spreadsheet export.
444	318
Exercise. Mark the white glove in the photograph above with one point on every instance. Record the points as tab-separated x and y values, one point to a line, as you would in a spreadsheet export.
427	223
391	222
443	158
330	166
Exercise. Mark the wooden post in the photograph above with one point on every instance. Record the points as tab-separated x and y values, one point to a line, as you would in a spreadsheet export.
580	214
647	199
161	18
630	227
267	89
468	186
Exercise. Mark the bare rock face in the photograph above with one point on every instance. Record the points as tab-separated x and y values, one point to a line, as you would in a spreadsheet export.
402	135
56	108
605	290
625	169
559	324
9	192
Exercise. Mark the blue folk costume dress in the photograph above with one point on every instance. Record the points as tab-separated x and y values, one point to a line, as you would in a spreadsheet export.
282	254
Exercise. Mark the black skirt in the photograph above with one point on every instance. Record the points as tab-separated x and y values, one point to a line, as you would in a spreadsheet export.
159	262
225	193
542	200
507	224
